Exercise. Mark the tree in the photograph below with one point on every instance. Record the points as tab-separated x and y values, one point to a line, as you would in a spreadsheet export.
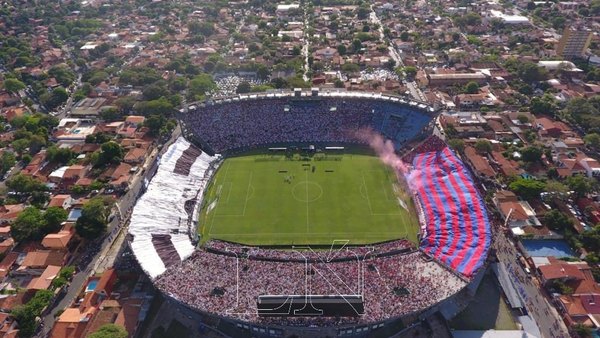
522	118
7	161
25	184
530	72
557	220
581	185
356	45
557	188
32	224
580	106
472	87
558	22
28	225
404	36
53	218
592	140
155	91
110	152
243	87
582	330
200	85
125	103
155	124
262	72
160	106
57	97
296	51
109	331
531	154
13	85
472	19
179	84
19	146
527	188
205	28
36	142
27	313
410	71
350	67
110	114
342	49
457	144
591	239
363	12
62	74
483	146
92	222
545	105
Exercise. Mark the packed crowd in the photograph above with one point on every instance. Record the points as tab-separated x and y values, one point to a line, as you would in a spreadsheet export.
231	125
378	75
302	254
432	143
229	286
227	86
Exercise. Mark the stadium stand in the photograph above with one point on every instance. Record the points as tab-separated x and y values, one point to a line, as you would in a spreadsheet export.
456	230
161	209
228	125
229	287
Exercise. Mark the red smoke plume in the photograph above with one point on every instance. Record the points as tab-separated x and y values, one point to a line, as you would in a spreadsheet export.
384	149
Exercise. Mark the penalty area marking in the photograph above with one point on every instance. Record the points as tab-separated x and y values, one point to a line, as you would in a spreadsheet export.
369	200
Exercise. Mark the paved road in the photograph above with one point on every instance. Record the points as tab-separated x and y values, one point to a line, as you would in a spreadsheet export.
115	230
545	315
412	86
305	46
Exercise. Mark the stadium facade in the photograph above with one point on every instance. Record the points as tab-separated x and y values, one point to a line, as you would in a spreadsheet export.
390	285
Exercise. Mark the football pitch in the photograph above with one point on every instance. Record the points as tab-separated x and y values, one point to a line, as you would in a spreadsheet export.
265	199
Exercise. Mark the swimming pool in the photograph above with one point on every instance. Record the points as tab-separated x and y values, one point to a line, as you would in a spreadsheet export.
91	285
548	247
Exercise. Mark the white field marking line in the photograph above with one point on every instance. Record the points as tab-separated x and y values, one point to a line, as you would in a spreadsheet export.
229	185
306	184
231	188
362	174
214	214
392	183
247	192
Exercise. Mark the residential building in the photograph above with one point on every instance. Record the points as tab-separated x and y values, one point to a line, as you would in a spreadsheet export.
574	42
517	214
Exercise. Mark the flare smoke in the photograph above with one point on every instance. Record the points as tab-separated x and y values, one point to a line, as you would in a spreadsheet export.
384	149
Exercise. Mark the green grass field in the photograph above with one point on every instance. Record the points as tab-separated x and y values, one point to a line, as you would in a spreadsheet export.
270	200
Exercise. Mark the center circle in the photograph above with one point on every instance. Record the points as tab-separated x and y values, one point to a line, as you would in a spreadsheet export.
307	191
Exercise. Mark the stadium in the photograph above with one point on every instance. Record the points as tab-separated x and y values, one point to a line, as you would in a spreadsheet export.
292	213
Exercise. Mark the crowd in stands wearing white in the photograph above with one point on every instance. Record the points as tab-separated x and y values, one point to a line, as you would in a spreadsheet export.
209	282
254	122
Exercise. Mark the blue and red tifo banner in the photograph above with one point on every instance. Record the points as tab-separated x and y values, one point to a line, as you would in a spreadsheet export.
457	229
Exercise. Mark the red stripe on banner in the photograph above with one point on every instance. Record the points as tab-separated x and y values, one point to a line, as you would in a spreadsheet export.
453	223
431	231
466	215
468	271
